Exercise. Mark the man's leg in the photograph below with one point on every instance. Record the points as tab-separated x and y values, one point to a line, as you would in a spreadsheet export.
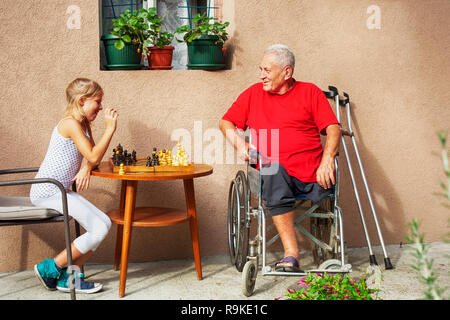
285	227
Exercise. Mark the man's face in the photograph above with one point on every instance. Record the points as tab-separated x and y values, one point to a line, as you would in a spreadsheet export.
273	76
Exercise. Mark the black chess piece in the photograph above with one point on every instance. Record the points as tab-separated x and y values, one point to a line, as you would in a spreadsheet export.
149	162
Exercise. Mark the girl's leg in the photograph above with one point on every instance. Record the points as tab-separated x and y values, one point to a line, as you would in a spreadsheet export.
96	224
94	221
78	258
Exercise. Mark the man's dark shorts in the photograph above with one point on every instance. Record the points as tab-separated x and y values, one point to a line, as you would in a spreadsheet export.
279	191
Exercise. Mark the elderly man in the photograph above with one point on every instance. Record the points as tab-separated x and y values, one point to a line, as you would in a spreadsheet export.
298	112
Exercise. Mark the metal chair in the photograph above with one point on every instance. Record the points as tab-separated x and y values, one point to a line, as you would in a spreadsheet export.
20	211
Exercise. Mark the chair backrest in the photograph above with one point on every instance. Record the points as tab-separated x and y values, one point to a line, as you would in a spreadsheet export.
16	210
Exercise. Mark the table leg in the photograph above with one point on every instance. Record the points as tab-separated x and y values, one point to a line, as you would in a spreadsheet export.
190	204
120	227
130	201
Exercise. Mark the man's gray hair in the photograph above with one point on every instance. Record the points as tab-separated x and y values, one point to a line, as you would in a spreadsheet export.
284	55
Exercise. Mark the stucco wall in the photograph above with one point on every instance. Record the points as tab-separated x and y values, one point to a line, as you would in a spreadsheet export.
397	77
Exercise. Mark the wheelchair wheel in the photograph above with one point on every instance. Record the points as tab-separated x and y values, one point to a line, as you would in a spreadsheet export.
323	230
238	221
331	264
249	277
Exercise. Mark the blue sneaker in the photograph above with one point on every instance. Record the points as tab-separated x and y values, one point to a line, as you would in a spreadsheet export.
81	286
47	273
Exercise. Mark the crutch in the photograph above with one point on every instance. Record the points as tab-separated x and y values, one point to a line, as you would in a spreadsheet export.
372	258
346	103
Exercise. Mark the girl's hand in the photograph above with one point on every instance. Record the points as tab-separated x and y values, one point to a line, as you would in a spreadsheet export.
111	118
83	178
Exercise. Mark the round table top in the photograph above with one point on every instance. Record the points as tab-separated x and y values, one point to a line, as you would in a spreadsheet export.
105	170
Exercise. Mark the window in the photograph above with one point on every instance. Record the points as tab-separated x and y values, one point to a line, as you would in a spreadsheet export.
176	12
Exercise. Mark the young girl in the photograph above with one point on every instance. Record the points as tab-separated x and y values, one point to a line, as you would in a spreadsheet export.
71	140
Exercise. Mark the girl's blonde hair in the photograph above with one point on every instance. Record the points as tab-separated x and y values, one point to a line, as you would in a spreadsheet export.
77	89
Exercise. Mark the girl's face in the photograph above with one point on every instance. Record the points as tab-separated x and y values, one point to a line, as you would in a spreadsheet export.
92	106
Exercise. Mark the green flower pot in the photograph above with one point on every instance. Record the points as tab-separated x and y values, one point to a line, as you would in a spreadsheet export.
205	54
126	59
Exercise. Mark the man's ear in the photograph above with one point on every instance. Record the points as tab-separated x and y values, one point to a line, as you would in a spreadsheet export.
288	73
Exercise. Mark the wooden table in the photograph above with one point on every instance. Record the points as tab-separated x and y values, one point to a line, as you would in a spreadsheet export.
128	216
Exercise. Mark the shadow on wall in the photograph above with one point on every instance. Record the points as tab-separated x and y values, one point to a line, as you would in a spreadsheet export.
387	204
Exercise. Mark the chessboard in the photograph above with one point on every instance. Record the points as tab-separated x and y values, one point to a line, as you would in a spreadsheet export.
159	161
140	166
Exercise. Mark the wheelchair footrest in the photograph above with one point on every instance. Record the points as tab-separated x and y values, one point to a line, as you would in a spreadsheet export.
267	271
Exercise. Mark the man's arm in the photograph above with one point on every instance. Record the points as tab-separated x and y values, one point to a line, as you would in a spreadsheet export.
229	131
325	172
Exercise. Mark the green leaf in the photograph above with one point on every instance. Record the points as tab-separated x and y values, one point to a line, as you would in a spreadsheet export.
119	44
126	38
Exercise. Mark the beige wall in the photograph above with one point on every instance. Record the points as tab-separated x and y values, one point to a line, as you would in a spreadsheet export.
397	78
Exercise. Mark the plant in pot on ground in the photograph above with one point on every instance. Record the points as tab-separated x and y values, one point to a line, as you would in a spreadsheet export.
205	40
125	45
160	53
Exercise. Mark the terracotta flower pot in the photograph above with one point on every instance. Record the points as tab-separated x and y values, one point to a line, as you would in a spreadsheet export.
160	58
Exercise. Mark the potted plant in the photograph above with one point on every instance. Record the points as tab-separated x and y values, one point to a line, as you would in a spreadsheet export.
205	42
124	46
160	52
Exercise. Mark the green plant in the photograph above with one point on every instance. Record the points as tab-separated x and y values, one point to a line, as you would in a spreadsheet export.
446	187
154	35
423	264
131	27
202	26
331	287
140	28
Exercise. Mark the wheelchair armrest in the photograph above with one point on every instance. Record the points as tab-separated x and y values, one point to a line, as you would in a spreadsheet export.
19	170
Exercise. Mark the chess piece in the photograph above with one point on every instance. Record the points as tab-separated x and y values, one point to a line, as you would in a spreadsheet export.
128	160
116	158
121	169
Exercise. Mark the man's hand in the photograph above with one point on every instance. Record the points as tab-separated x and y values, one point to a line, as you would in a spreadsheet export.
243	150
325	173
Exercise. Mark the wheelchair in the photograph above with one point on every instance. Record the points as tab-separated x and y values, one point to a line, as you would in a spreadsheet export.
248	253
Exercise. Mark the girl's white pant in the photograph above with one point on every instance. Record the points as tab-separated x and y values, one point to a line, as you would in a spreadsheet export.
95	222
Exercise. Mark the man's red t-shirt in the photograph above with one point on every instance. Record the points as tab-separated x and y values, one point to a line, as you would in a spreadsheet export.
300	115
